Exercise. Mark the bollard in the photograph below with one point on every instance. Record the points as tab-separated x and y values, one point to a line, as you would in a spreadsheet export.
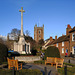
69	60
45	69
13	71
65	70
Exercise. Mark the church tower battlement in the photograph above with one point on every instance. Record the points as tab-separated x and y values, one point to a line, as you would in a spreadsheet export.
38	33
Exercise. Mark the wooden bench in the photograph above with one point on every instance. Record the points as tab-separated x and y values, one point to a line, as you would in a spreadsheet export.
14	63
56	61
50	60
59	62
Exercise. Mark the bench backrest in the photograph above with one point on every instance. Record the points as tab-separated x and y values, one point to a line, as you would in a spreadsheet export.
12	62
51	59
59	60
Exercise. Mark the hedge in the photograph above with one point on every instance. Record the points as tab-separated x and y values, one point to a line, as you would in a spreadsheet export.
3	53
21	72
70	71
52	51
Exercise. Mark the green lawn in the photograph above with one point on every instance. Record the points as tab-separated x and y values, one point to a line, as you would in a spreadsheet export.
70	70
39	62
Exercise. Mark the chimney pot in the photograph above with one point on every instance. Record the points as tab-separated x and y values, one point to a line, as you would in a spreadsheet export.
51	39
68	26
56	37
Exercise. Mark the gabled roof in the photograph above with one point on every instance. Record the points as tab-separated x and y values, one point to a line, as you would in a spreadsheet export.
50	43
62	38
47	39
72	30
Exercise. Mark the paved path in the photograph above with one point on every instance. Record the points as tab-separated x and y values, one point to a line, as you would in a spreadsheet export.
50	70
69	60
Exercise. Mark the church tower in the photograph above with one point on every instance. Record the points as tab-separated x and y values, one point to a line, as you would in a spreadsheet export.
38	33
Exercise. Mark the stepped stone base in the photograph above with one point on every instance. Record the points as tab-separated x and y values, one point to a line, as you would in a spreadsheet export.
28	59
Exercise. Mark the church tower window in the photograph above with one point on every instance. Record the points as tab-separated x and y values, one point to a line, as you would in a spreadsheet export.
39	31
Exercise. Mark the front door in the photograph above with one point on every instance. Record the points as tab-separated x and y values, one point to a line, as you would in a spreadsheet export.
66	50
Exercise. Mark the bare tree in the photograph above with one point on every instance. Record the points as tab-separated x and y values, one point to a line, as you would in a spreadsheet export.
27	33
15	33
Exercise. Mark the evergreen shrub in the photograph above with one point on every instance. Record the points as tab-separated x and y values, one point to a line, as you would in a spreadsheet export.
33	51
3	53
52	51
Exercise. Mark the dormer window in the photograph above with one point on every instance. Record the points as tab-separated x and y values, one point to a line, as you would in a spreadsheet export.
62	43
57	45
73	37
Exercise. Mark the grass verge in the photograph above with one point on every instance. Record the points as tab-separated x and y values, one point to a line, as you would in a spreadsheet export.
70	70
39	62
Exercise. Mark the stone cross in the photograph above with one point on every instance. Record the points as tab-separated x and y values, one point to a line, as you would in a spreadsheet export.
21	20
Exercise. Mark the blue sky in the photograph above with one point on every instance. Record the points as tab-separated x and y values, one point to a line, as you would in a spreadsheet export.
54	14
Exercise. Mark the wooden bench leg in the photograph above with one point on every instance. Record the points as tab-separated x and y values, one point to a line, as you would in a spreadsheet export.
17	67
21	66
51	64
9	67
56	67
45	63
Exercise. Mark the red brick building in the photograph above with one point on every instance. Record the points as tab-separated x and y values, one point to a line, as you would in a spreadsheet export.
65	43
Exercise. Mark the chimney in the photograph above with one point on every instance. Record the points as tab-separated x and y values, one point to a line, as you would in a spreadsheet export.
51	39
56	37
68	29
8	37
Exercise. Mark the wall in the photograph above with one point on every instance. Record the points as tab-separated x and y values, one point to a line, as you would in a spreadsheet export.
72	43
66	46
28	58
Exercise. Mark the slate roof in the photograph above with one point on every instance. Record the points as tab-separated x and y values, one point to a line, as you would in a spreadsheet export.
62	38
72	30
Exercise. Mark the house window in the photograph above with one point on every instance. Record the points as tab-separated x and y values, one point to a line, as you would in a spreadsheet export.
57	45
28	49
73	50
62	43
25	47
73	37
62	50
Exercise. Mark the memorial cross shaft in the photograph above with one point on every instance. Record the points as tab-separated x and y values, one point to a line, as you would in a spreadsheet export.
21	20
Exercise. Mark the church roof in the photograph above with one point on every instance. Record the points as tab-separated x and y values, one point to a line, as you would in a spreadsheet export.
72	30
